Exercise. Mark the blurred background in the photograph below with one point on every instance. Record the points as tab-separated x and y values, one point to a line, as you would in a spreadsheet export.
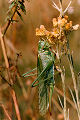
21	38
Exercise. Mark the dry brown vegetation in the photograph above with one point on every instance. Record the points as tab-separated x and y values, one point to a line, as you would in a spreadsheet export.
21	39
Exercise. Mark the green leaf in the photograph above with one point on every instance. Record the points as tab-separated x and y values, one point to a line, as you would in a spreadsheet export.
20	15
12	5
22	7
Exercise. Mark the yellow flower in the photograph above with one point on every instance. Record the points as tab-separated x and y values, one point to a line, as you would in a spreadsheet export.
70	23
42	27
55	33
47	33
55	23
66	17
63	22
41	31
67	27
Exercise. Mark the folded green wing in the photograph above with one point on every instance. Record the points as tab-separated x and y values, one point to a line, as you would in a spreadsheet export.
44	57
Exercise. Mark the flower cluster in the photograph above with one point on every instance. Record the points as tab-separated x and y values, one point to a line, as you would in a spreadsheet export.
60	25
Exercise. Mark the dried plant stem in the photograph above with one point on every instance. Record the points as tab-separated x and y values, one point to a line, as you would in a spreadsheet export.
78	85
73	77
57	105
16	105
62	94
9	21
60	102
62	71
67	6
73	99
68	114
5	111
69	56
64	90
75	87
4	50
61	10
7	66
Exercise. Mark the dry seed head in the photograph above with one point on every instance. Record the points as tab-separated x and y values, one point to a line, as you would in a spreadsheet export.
41	31
75	27
55	23
57	34
42	27
67	27
63	22
70	23
66	17
47	33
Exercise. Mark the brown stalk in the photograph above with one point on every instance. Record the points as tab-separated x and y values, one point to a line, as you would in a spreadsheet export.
57	105
62	71
16	104
5	111
7	65
9	21
62	94
73	76
64	90
75	87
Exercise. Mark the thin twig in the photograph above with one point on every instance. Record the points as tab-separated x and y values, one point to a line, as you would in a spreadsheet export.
63	79
61	93
69	56
3	49
57	105
16	105
61	9
73	99
5	80
67	7
14	99
78	85
9	22
7	66
6	113
75	88
64	90
60	102
55	6
68	115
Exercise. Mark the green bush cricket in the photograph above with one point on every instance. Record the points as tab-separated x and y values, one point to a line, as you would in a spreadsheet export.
45	79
